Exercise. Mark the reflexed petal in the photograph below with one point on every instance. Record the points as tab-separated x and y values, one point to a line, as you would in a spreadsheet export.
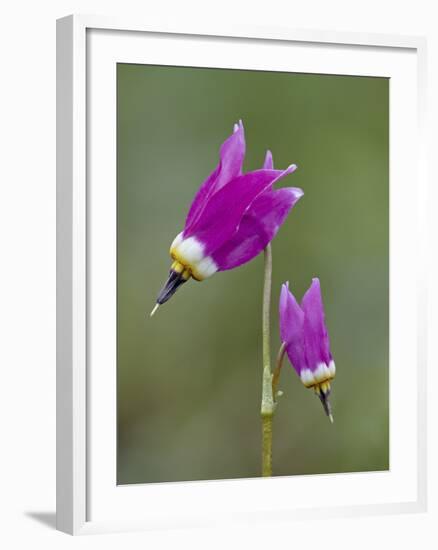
269	163
224	211
291	328
232	153
315	331
258	227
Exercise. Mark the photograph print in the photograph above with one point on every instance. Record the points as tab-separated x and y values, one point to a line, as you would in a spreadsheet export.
252	274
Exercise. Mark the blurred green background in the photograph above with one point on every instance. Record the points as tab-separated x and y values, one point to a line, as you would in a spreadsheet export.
189	380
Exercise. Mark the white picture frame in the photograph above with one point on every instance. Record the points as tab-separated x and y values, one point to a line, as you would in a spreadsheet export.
87	48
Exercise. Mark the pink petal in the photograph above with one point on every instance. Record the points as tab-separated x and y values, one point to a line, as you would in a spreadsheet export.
232	153
258	227
269	162
223	213
291	328
315	331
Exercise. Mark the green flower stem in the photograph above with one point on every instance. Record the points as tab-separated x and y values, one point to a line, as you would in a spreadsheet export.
267	446
268	405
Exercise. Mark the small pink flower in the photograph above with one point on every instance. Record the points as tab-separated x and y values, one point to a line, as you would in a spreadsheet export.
304	333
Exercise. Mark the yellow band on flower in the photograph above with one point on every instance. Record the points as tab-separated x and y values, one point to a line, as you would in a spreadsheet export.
324	387
178	267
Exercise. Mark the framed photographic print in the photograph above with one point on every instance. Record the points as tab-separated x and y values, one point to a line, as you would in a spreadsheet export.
240	275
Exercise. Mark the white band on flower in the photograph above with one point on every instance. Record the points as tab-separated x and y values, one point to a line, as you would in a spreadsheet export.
190	253
322	373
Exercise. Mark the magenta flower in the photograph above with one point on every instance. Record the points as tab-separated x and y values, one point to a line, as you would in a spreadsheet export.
232	218
303	331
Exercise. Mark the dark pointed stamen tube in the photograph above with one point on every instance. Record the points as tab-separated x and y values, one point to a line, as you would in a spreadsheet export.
324	398
174	281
